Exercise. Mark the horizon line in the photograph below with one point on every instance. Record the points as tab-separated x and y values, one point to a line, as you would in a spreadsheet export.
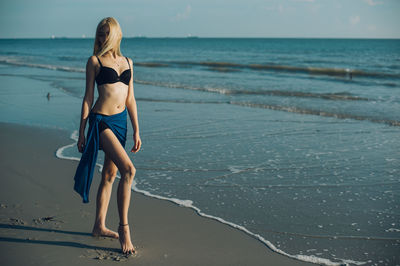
198	37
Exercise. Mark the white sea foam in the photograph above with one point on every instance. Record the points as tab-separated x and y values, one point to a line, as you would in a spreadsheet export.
59	152
189	204
234	169
392	230
11	61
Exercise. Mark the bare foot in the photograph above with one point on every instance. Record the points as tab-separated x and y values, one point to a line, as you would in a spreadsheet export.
125	239
104	231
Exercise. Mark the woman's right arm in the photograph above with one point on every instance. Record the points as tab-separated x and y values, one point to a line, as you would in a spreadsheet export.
87	100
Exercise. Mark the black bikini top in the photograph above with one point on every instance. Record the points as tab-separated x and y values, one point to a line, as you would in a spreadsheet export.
109	75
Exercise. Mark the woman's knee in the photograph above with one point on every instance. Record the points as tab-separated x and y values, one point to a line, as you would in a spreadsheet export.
129	173
109	175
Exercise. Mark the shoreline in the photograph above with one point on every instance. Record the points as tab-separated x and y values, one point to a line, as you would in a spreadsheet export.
40	217
198	211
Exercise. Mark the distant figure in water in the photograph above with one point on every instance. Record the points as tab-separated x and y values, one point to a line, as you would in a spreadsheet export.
107	131
48	96
349	73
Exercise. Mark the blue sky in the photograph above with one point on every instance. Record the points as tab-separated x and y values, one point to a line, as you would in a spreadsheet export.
203	18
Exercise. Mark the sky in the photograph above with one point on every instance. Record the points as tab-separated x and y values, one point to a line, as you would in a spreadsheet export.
203	18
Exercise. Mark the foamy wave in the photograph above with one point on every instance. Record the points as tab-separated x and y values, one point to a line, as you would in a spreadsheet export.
393	230
291	109
231	67
59	152
344	96
14	62
189	204
298	110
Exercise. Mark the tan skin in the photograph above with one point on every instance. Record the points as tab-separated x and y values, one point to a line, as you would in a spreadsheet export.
112	100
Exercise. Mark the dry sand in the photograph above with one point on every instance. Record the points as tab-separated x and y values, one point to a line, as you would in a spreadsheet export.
44	222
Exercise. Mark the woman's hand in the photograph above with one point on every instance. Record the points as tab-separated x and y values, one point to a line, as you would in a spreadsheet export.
81	143
138	143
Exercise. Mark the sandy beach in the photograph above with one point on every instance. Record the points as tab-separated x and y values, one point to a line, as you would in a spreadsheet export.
44	222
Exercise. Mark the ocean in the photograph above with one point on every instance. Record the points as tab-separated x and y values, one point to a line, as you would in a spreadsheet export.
294	141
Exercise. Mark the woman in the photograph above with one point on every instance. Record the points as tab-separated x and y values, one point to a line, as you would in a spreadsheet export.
113	74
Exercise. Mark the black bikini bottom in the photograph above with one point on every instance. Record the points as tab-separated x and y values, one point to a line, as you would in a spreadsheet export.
102	126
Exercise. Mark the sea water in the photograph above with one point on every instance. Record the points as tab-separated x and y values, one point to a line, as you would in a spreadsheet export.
294	141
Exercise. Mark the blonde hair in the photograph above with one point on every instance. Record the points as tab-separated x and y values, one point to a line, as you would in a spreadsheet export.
113	39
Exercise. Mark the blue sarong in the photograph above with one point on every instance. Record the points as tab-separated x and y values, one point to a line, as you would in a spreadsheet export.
84	173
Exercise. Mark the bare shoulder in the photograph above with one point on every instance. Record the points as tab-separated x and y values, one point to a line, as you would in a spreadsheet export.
130	61
92	61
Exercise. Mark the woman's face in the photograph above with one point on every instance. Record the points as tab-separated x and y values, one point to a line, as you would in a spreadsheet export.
103	34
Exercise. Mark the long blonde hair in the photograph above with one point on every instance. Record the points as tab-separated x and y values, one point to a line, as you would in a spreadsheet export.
113	40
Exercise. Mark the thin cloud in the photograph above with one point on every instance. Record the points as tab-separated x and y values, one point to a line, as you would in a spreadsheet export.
269	8
372	3
278	8
354	20
184	15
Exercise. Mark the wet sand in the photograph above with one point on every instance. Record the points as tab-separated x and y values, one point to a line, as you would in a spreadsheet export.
44	222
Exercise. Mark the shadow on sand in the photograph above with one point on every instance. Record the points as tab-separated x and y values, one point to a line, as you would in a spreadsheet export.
47	242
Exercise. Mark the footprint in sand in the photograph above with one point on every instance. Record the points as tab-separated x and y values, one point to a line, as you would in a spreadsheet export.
107	255
17	221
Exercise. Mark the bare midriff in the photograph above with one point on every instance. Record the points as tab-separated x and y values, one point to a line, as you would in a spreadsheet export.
112	98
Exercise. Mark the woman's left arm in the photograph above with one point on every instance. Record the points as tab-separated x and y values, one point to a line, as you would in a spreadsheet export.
132	109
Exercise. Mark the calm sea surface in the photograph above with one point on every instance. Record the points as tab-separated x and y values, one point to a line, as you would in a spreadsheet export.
295	141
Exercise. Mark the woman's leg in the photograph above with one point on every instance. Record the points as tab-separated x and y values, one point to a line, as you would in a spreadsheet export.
114	150
108	175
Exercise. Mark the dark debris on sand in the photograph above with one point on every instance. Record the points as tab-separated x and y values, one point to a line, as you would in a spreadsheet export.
46	219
